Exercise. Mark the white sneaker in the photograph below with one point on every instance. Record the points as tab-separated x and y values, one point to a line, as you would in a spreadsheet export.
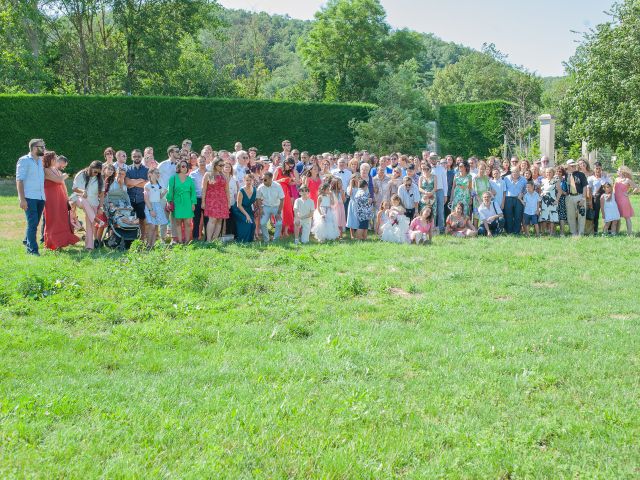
296	241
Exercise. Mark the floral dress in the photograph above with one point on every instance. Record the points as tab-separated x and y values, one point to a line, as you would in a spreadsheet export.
562	204
549	209
461	192
427	186
480	185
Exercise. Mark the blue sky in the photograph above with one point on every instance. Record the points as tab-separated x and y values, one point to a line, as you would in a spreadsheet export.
535	34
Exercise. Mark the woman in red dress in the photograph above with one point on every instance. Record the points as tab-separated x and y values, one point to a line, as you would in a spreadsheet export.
215	198
287	176
57	229
312	181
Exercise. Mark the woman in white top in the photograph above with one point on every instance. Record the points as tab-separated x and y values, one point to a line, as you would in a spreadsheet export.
88	194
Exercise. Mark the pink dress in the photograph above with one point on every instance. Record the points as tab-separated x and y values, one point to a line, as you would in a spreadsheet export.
624	204
338	208
216	202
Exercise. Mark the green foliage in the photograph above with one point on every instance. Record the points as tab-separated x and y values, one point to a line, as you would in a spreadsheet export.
472	128
344	49
80	127
604	95
400	121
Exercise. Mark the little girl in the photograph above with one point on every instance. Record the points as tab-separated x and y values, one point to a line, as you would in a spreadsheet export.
382	217
339	198
609	208
396	229
324	218
154	211
422	227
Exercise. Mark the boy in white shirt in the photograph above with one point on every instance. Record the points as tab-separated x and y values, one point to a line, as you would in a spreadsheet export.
531	202
303	209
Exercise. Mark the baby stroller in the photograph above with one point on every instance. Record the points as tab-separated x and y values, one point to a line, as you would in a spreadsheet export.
123	227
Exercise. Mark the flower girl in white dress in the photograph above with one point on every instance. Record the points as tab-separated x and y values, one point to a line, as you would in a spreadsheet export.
325	226
396	228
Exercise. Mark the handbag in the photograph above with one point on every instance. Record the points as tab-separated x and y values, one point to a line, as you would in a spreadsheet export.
170	207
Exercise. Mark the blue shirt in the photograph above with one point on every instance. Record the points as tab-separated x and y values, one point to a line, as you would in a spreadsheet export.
136	194
514	189
30	171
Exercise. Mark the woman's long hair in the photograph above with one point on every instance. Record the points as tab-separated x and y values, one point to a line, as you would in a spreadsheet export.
95	165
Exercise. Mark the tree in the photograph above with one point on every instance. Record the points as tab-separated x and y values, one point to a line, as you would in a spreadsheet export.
22	63
400	121
604	96
344	50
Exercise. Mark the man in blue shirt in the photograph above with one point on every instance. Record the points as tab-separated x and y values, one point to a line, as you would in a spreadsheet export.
136	178
513	208
30	185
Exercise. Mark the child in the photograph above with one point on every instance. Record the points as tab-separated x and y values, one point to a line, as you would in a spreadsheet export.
154	210
339	198
303	209
362	206
324	218
610	211
382	218
421	227
396	229
531	202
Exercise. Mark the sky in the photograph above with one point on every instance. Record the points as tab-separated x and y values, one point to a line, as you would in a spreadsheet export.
535	34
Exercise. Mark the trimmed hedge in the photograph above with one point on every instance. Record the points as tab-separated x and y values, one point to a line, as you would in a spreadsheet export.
468	129
81	127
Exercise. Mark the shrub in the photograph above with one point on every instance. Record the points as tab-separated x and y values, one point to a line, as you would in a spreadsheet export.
81	127
468	129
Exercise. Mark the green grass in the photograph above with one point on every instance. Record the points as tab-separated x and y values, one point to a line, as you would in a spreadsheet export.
502	358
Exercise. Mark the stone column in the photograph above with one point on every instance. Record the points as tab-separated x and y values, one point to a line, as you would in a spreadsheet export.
548	137
590	155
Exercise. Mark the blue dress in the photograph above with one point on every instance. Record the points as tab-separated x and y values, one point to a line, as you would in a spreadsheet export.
245	230
352	217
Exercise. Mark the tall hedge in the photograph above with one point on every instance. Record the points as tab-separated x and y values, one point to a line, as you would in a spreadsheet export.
468	129
80	127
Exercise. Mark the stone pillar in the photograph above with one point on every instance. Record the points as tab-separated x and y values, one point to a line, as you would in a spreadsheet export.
548	137
590	155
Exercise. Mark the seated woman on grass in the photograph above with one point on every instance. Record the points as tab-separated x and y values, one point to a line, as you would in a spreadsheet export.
458	224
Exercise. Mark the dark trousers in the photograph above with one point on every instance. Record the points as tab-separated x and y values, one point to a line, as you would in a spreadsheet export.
198	215
513	210
346	207
596	211
230	225
496	227
33	215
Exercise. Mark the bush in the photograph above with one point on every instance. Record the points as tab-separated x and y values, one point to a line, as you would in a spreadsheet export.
81	127
468	129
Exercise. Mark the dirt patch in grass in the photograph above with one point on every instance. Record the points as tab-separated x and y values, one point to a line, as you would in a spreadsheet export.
620	316
400	292
544	285
503	298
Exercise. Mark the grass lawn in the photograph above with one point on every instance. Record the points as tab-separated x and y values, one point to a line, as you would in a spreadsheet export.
489	358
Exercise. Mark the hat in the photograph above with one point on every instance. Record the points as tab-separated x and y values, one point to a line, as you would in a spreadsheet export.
571	163
433	155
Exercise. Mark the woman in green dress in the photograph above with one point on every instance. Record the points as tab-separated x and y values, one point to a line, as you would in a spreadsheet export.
462	187
182	192
480	185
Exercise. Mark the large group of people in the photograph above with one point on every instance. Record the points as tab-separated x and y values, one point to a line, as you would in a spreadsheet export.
241	195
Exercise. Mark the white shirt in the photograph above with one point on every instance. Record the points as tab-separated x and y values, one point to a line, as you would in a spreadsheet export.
154	192
441	174
344	175
410	197
596	183
271	195
233	190
240	172
485	212
91	189
167	170
303	208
